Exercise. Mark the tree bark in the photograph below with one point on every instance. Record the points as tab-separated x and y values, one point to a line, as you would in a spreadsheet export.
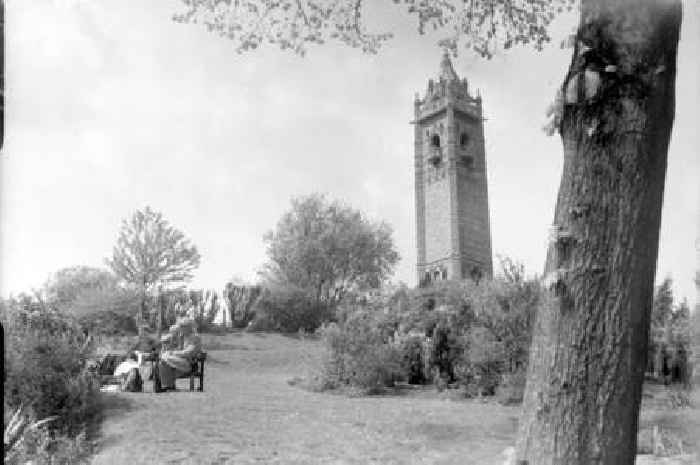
589	347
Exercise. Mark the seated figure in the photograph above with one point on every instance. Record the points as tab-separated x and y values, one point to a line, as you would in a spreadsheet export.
123	368
180	347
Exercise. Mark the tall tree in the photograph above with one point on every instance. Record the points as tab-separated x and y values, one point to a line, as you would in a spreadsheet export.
589	346
614	113
662	307
661	313
327	248
150	252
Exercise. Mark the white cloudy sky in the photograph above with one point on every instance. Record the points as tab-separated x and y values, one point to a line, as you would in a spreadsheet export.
111	106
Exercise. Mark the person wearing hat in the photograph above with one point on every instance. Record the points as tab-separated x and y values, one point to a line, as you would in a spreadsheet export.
181	344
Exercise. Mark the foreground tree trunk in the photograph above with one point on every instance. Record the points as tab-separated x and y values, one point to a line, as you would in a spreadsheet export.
589	346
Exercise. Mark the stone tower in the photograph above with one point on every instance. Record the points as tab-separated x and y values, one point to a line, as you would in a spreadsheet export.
452	209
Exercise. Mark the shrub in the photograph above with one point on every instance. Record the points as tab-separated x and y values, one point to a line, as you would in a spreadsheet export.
359	354
480	367
288	309
242	302
445	349
95	298
167	305
29	441
45	365
478	331
109	323
474	334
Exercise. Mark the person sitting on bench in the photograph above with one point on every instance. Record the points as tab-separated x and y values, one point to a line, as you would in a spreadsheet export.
180	347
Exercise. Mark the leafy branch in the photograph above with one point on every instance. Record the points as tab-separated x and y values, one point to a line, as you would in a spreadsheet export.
480	25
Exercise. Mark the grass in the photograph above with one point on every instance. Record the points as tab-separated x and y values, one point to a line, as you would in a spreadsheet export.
680	427
249	413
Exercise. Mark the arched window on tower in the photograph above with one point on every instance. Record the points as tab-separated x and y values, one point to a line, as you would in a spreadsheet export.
435	141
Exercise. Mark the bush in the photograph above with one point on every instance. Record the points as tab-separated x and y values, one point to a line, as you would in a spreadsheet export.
288	309
479	332
45	366
29	441
476	335
242	300
359	354
109	323
480	366
95	298
445	349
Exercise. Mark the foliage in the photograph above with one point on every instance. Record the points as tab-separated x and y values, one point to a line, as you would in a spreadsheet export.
516	300
18	432
45	365
445	349
481	25
670	333
479	333
95	298
662	307
475	335
241	300
679	326
65	286
481	364
360	354
27	440
288	308
328	249
149	251
167	305
107	310
695	337
413	354
499	310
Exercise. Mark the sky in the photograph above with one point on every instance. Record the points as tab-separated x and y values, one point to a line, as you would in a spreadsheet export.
112	106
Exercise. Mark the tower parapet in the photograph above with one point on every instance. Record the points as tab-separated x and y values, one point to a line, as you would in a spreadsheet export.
448	88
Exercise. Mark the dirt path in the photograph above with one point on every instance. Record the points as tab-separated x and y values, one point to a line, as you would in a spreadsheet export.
249	414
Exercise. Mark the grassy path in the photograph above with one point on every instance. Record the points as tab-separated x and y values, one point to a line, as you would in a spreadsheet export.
249	414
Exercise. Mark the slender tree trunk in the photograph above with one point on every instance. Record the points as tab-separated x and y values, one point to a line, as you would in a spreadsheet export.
589	346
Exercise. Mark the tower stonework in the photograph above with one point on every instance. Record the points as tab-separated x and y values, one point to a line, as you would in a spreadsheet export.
452	210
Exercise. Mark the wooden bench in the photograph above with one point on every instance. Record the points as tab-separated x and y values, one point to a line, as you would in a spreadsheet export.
196	371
